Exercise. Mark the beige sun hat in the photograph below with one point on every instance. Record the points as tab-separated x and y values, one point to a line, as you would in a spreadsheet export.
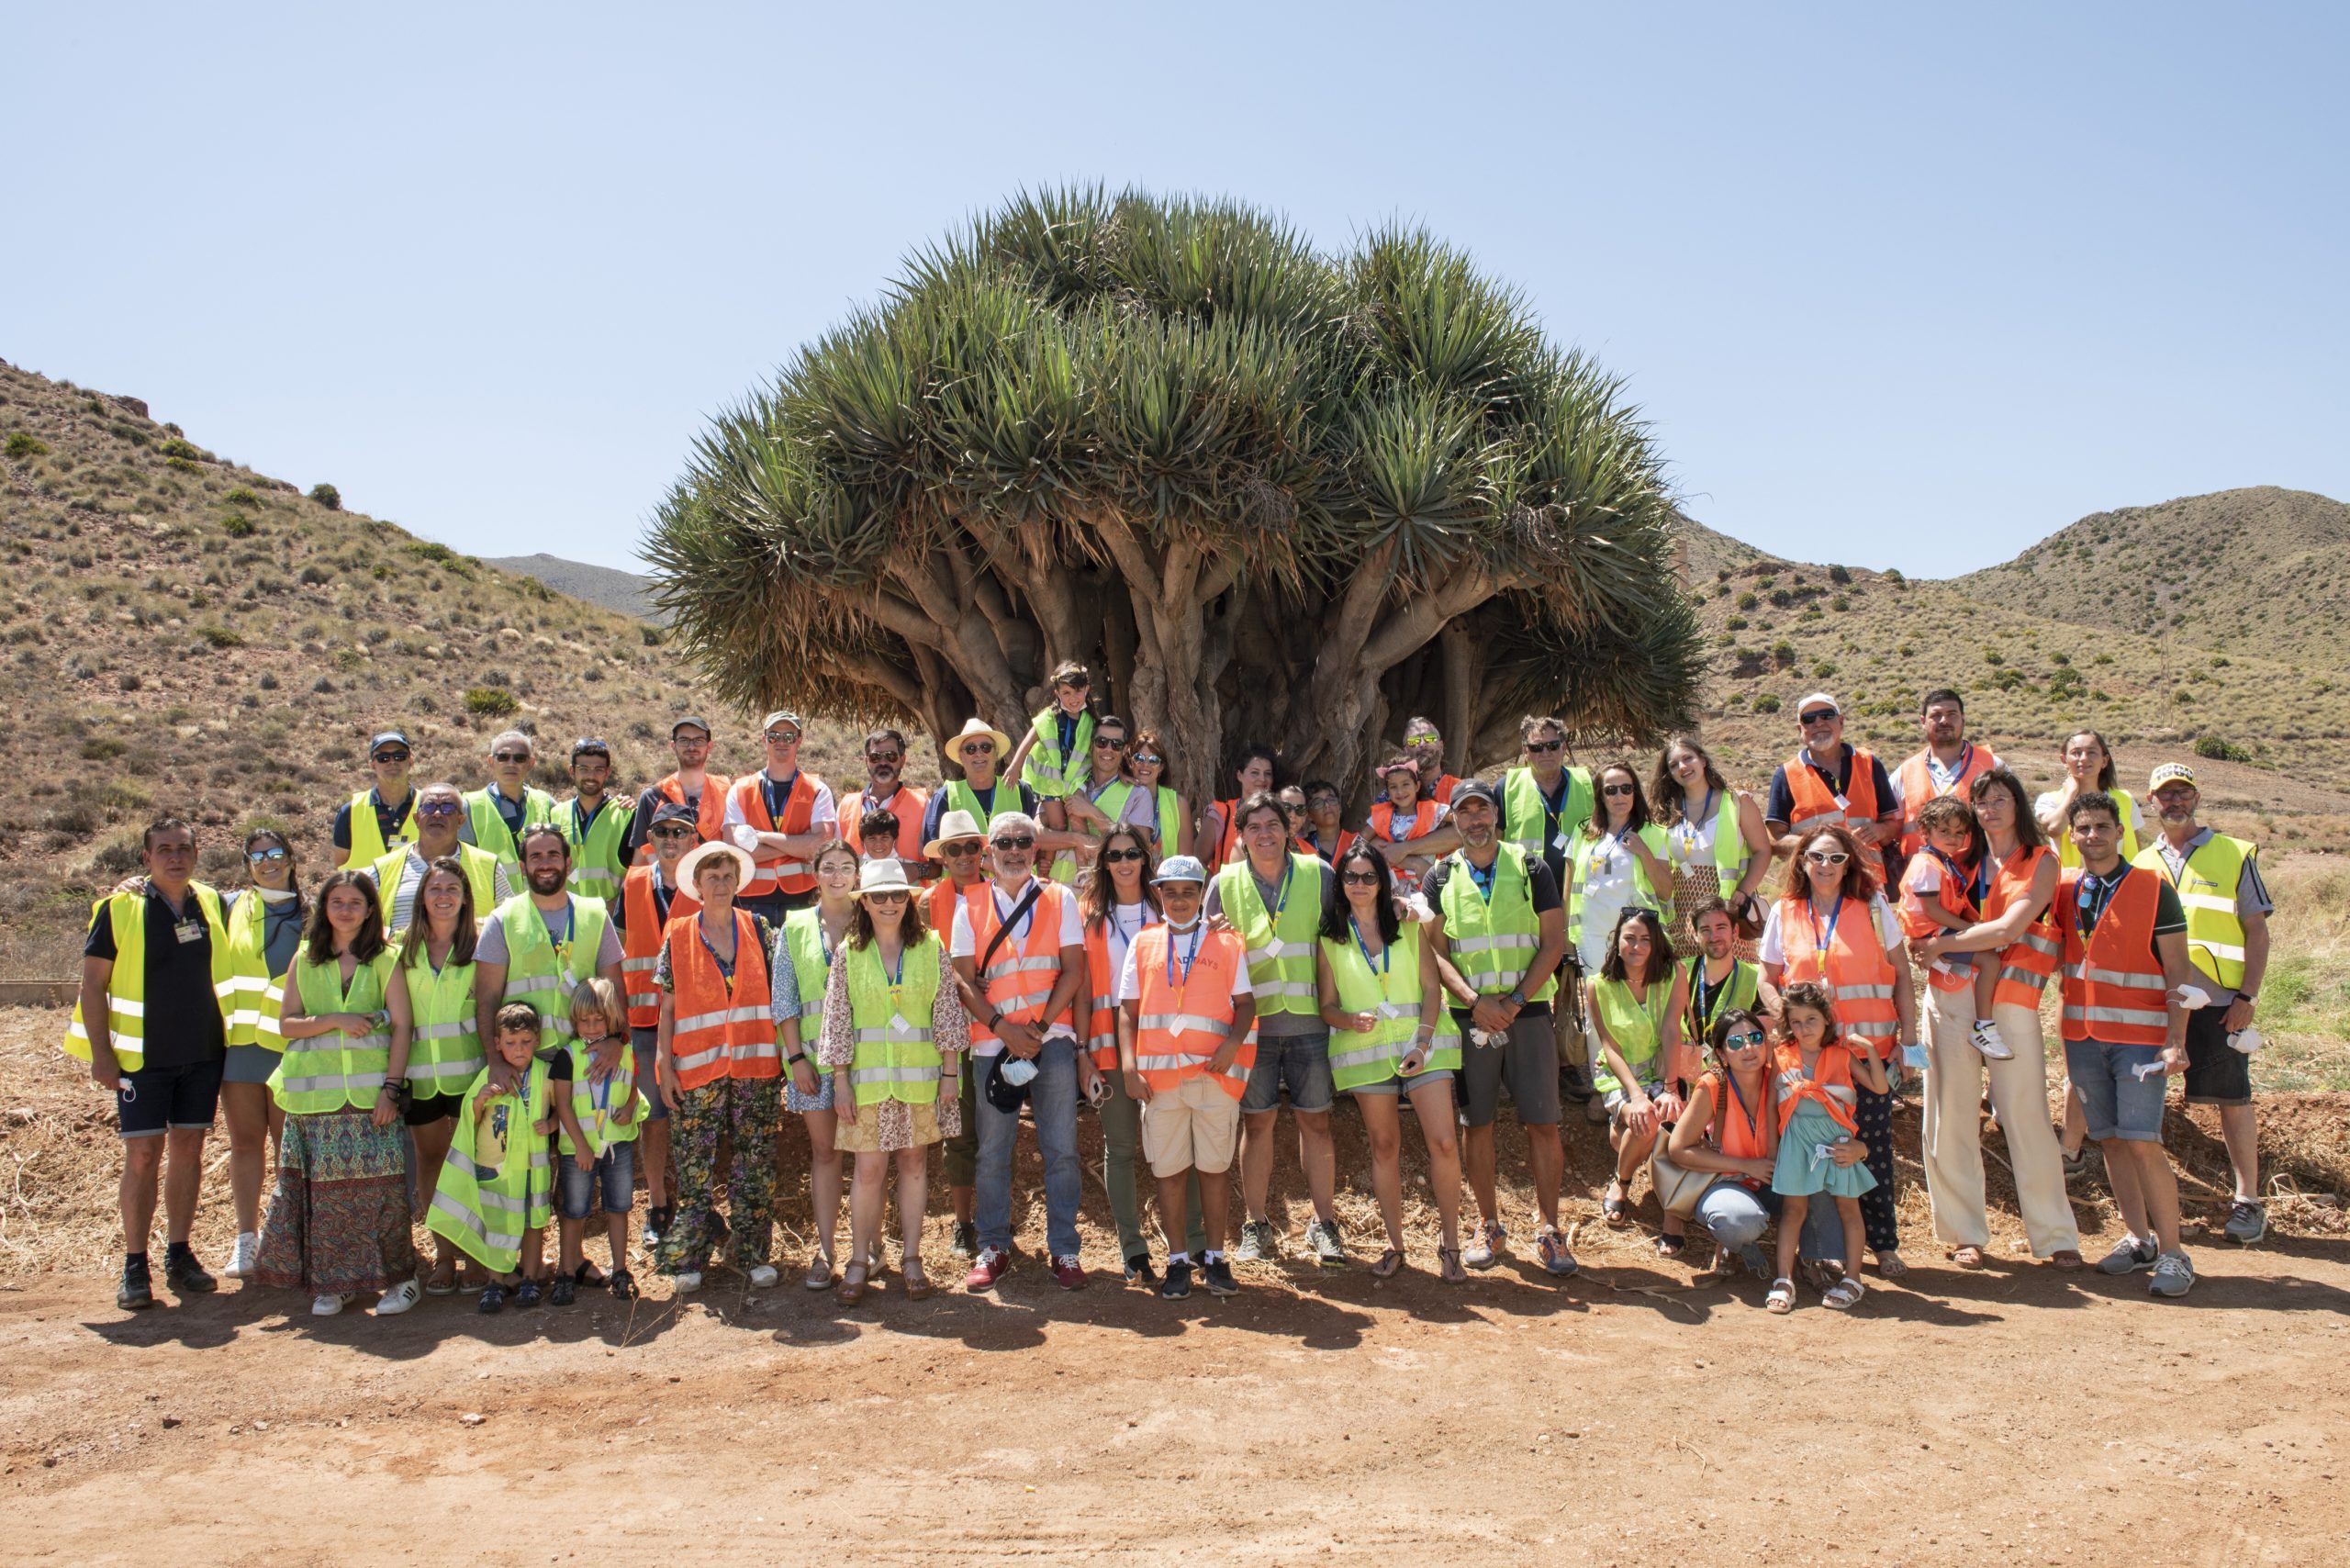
951	827
883	876
979	727
691	865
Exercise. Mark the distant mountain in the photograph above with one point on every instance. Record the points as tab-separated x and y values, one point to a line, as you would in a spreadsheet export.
614	589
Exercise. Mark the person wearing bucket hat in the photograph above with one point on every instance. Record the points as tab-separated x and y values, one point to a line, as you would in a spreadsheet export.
782	814
1018	949
2219	884
958	844
692	786
891	1020
719	1060
978	750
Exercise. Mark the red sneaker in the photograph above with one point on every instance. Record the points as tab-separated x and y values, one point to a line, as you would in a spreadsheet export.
1069	1273
991	1266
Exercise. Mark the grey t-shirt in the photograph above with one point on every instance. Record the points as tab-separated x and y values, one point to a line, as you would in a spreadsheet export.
489	947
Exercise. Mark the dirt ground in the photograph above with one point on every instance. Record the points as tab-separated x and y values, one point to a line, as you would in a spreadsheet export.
2014	1415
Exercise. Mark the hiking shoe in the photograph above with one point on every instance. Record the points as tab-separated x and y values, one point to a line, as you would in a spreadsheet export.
1487	1250
1068	1273
1177	1285
2248	1222
527	1294
399	1299
492	1301
1140	1273
1329	1246
2077	1164
1257	1243
993	1265
184	1274
245	1257
966	1239
2174	1276
1986	1039
136	1293
2129	1256
1217	1277
563	1292
1551	1248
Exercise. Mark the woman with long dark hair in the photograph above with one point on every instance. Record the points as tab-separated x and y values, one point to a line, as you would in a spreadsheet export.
1637	1002
264	933
433	979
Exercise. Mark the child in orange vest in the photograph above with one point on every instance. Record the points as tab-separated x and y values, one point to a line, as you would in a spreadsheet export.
1813	1077
1939	894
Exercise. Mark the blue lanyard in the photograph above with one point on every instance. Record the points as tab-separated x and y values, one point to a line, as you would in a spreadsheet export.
2093	894
1199	930
1976	882
1965	761
1690	826
1819	943
1386	953
1281	903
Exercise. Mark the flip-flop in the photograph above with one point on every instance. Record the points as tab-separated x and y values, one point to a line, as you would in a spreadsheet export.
1390	1261
1889	1264
1448	1268
1966	1257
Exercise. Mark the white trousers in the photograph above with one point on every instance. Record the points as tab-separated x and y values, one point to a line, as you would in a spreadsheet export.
1953	1131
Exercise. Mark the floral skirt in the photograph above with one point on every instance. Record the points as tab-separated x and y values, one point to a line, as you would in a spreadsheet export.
891	1125
338	1218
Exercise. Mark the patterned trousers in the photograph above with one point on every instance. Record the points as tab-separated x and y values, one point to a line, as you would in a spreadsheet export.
748	1112
1873	1112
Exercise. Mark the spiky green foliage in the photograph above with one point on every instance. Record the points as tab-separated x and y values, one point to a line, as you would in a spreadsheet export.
1263	492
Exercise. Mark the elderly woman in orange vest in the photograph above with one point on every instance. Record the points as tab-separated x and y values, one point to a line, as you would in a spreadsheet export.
720	1064
892	1024
1834	928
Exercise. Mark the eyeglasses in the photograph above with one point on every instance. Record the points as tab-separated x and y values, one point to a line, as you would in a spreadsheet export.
438	809
1620	788
881	757
962	848
1148	759
978	748
266	856
1827	857
889	898
391	757
1017	841
1544	749
1739	1042
509	757
672	831
1817	716
1116	743
783	737
1359	878
1120	856
689	738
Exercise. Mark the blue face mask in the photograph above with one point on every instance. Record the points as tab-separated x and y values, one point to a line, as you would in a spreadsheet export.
1017	1071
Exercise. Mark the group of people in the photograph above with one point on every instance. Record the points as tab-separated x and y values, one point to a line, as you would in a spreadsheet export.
502	1011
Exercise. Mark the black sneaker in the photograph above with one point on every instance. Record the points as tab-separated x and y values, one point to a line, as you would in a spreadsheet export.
1140	1271
137	1291
1178	1284
562	1292
624	1285
1574	1083
1217	1277
526	1294
493	1301
185	1276
966	1239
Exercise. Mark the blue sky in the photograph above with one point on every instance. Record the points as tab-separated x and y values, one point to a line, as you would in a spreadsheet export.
1897	285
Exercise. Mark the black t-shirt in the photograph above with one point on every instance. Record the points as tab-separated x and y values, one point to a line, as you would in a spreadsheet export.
1543	890
649	802
558	1060
183	1015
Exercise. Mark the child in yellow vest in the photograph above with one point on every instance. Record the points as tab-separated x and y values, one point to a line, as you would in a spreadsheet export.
494	1196
596	1148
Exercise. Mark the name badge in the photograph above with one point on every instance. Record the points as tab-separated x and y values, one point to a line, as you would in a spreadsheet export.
188	930
1558	843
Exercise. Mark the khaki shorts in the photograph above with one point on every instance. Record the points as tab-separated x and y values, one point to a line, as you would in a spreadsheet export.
1191	1126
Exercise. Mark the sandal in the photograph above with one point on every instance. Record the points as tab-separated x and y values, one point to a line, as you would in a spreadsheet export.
819	1273
918	1285
1889	1264
1671	1245
624	1285
1782	1299
1615	1207
1390	1261
852	1289
1448	1265
1846	1291
441	1280
1966	1257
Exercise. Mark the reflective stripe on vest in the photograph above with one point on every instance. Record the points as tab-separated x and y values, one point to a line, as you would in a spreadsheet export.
2207	891
1020	980
481	876
1529	813
1814	803
641	934
1856	973
803	944
127	981
368	844
1492	940
716	1033
1916	781
1279	952
1635	1028
1393	995
249	978
2113	982
443	1054
596	868
1586	844
494	838
534	973
2025	964
484	1207
1181	1024
330	1071
710	809
895	1058
772	870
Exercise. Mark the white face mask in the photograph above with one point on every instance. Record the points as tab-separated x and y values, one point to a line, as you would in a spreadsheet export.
276	895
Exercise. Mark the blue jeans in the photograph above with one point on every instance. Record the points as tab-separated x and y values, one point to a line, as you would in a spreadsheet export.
1052	1097
1735	1215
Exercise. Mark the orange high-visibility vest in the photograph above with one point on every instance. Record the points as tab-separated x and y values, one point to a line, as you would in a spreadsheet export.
773	871
1955	895
1382	822
710	812
1917	787
1829	1085
723	1029
1223	849
2114	990
1816	805
1101	1001
1855	970
1020	980
1183	1020
642	928
907	805
1742	1135
2026	963
1445	784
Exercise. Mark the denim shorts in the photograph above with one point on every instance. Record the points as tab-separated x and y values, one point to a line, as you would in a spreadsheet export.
1299	1063
646	1043
155	1099
2117	1101
614	1173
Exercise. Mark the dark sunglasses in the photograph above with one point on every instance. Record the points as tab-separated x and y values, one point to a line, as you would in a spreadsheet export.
898	897
961	848
672	831
1817	716
509	757
1120	856
1116	743
1619	790
440	808
391	757
783	737
1151	758
1018	840
884	756
1359	878
978	748
1740	1041
1544	749
263	856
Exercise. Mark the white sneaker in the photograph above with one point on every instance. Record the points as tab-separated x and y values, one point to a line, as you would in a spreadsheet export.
1986	1040
245	1258
327	1305
763	1276
399	1299
689	1280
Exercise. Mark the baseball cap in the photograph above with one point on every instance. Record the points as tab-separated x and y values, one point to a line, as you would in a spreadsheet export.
696	719
389	737
1180	869
1473	789
2171	773
1817	699
675	811
783	716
